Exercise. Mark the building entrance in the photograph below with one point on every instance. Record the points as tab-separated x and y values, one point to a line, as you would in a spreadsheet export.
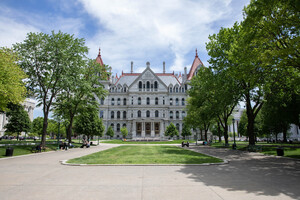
148	129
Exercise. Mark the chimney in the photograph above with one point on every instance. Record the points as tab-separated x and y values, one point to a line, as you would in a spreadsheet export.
131	67
148	64
113	80
185	74
164	67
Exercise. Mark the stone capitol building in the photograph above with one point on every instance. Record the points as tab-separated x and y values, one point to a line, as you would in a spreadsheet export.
146	103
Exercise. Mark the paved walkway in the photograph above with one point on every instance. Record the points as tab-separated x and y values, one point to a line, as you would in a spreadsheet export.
247	176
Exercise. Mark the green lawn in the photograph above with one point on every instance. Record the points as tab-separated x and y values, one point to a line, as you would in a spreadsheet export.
266	148
27	149
145	142
144	154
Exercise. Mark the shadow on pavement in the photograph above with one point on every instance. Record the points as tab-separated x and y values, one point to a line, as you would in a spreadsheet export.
249	172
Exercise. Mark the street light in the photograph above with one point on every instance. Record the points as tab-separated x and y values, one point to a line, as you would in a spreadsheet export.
234	144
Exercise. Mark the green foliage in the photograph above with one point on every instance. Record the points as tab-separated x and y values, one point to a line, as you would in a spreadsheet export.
48	61
12	88
110	132
18	119
186	131
171	130
83	89
37	125
88	123
124	132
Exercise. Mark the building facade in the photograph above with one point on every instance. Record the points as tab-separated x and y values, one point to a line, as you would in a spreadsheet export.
29	105
146	103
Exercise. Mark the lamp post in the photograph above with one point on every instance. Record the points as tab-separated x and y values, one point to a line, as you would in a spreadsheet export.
58	133
234	144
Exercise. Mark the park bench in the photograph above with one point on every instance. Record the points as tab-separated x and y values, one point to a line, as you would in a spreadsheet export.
187	144
36	149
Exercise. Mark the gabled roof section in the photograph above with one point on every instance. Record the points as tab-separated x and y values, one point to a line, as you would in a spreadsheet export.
194	66
148	69
99	59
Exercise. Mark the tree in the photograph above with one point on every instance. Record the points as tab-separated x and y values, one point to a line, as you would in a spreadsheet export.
171	131
271	31
110	132
18	120
89	123
82	90
12	88
48	60
37	125
186	131
124	132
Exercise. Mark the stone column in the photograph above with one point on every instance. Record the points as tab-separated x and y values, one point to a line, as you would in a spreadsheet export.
143	129
152	129
133	129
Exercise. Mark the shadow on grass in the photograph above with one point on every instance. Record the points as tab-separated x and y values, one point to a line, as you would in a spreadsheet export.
249	172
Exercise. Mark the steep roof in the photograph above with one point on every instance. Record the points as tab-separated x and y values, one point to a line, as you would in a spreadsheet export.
194	66
99	59
129	78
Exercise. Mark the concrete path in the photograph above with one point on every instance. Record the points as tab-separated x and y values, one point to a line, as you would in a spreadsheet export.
247	176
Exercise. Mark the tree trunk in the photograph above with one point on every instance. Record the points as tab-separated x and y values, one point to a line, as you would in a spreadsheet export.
226	133
45	125
251	118
219	132
69	130
284	132
201	135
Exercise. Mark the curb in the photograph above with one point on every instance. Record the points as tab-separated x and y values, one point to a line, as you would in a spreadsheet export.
64	162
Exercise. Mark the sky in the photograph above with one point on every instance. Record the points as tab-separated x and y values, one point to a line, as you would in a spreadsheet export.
125	30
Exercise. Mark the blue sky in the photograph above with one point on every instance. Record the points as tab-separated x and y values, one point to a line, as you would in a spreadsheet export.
125	30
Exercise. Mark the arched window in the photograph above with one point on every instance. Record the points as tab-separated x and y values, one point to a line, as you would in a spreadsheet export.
124	125
183	101
124	114
118	114
125	89
170	89
131	100
148	113
183	114
112	126
177	102
140	86
118	127
163	100
156	113
112	114
177	114
102	101
148	101
112	101
176	89
148	86
171	101
139	113
155	85
171	114
182	90
156	101
124	101
177	126
139	101
101	113
119	101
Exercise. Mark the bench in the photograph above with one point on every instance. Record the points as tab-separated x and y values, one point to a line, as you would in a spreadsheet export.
36	149
187	144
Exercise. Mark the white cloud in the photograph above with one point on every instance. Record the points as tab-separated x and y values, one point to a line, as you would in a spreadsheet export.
139	30
12	31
